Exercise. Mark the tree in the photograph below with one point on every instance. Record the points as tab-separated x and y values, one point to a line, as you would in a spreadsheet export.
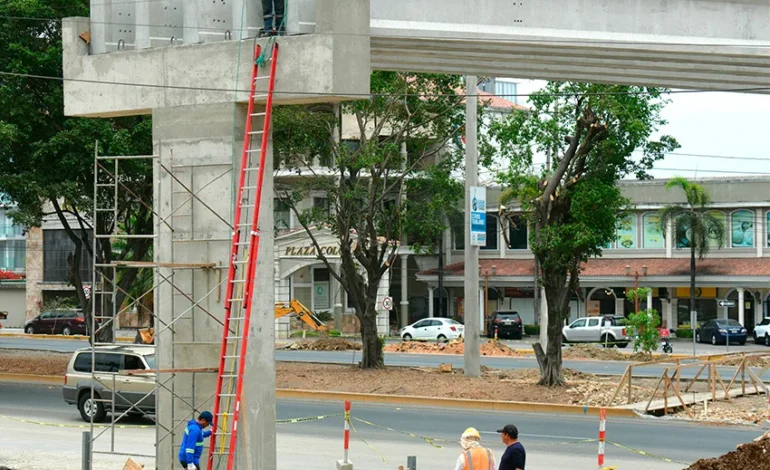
643	325
47	158
695	226
393	181
592	132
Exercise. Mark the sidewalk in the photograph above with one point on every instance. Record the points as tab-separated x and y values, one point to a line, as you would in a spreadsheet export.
123	336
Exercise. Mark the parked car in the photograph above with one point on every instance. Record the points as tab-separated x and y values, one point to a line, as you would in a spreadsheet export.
133	393
508	323
762	332
433	329
717	331
607	330
66	322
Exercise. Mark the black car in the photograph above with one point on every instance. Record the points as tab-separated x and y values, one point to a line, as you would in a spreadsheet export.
718	331
507	324
65	322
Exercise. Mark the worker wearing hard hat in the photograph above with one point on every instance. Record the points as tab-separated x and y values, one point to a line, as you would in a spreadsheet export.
474	456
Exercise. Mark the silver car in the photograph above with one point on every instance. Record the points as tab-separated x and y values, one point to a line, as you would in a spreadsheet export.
134	394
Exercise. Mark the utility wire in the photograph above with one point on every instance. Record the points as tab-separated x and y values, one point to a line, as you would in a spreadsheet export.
366	95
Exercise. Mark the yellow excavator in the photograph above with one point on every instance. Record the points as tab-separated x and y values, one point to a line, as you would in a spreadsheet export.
295	307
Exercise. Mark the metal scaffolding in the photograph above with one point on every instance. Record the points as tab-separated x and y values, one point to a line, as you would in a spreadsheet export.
111	191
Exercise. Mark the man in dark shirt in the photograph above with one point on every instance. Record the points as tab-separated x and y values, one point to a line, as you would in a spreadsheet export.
515	456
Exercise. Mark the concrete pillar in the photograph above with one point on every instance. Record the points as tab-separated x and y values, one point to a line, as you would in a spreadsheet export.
430	301
191	33
669	239
741	305
34	272
196	144
666	319
674	311
142	26
472	355
649	299
404	290
759	240
98	15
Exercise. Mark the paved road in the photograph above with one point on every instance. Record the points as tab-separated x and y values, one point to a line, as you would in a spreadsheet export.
546	436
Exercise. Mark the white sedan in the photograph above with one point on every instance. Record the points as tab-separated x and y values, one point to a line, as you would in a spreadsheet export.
433	329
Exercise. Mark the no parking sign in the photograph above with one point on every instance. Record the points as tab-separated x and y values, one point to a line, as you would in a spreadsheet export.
387	303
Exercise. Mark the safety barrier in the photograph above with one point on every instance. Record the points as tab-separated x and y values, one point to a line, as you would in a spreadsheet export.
602	430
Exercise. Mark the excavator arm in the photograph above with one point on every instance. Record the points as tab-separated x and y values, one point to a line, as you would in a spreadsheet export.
303	313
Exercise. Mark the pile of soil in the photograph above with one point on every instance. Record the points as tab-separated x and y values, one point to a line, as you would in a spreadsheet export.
509	385
490	348
751	361
753	455
595	351
326	344
750	409
15	361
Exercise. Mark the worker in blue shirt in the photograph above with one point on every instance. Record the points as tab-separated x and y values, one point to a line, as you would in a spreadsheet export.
192	443
272	13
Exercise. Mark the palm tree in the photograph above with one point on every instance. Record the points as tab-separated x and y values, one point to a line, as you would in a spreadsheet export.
694	226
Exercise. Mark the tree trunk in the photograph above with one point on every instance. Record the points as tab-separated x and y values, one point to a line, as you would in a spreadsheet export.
550	361
692	285
372	352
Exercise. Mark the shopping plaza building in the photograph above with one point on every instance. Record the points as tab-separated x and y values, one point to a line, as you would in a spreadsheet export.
657	259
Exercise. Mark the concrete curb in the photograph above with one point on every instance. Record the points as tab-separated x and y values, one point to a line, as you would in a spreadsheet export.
486	405
30	378
57	337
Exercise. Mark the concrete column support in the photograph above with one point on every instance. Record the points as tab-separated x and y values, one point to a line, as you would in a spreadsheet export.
649	299
674	312
142	37
759	227
191	33
195	143
472	354
741	305
667	315
669	239
430	301
404	290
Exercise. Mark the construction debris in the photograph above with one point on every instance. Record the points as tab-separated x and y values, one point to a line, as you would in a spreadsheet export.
326	344
595	351
490	348
445	367
754	455
131	465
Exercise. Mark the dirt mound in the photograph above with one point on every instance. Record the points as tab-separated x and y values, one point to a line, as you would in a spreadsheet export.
594	351
326	344
489	348
13	361
753	455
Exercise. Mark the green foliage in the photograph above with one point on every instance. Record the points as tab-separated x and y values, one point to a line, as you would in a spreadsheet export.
325	316
591	131
643	326
684	333
532	330
694	225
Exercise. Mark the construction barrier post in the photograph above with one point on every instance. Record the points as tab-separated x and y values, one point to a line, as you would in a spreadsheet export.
411	463
602	421
767	423
495	334
86	458
346	464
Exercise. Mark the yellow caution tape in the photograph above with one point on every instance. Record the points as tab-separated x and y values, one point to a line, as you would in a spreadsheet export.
563	443
79	426
305	420
367	444
647	454
430	440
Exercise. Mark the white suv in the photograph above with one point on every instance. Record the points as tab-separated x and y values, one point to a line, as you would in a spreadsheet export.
762	332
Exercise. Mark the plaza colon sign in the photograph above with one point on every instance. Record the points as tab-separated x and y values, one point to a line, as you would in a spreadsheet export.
330	250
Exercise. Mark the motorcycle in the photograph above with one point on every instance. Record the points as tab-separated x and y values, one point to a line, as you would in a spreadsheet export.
664	334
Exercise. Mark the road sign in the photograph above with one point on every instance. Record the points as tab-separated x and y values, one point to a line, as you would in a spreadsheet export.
478	216
387	303
727	303
87	291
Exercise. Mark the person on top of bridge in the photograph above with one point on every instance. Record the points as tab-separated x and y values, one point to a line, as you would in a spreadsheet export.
192	443
474	456
272	13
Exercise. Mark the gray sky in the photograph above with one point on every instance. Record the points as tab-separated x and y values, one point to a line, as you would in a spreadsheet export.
716	124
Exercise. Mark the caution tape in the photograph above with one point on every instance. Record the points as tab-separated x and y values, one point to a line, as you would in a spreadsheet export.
430	440
366	443
563	443
647	454
307	419
78	426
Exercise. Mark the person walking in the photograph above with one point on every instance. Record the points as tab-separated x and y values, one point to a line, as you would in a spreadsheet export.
192	442
272	14
514	457
474	456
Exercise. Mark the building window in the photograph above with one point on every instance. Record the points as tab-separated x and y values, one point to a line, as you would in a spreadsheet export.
517	233
713	240
322	205
13	255
57	246
653	234
506	90
493	231
458	235
7	228
626	232
281	215
742	229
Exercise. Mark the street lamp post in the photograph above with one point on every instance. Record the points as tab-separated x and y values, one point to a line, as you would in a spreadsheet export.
486	275
636	285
